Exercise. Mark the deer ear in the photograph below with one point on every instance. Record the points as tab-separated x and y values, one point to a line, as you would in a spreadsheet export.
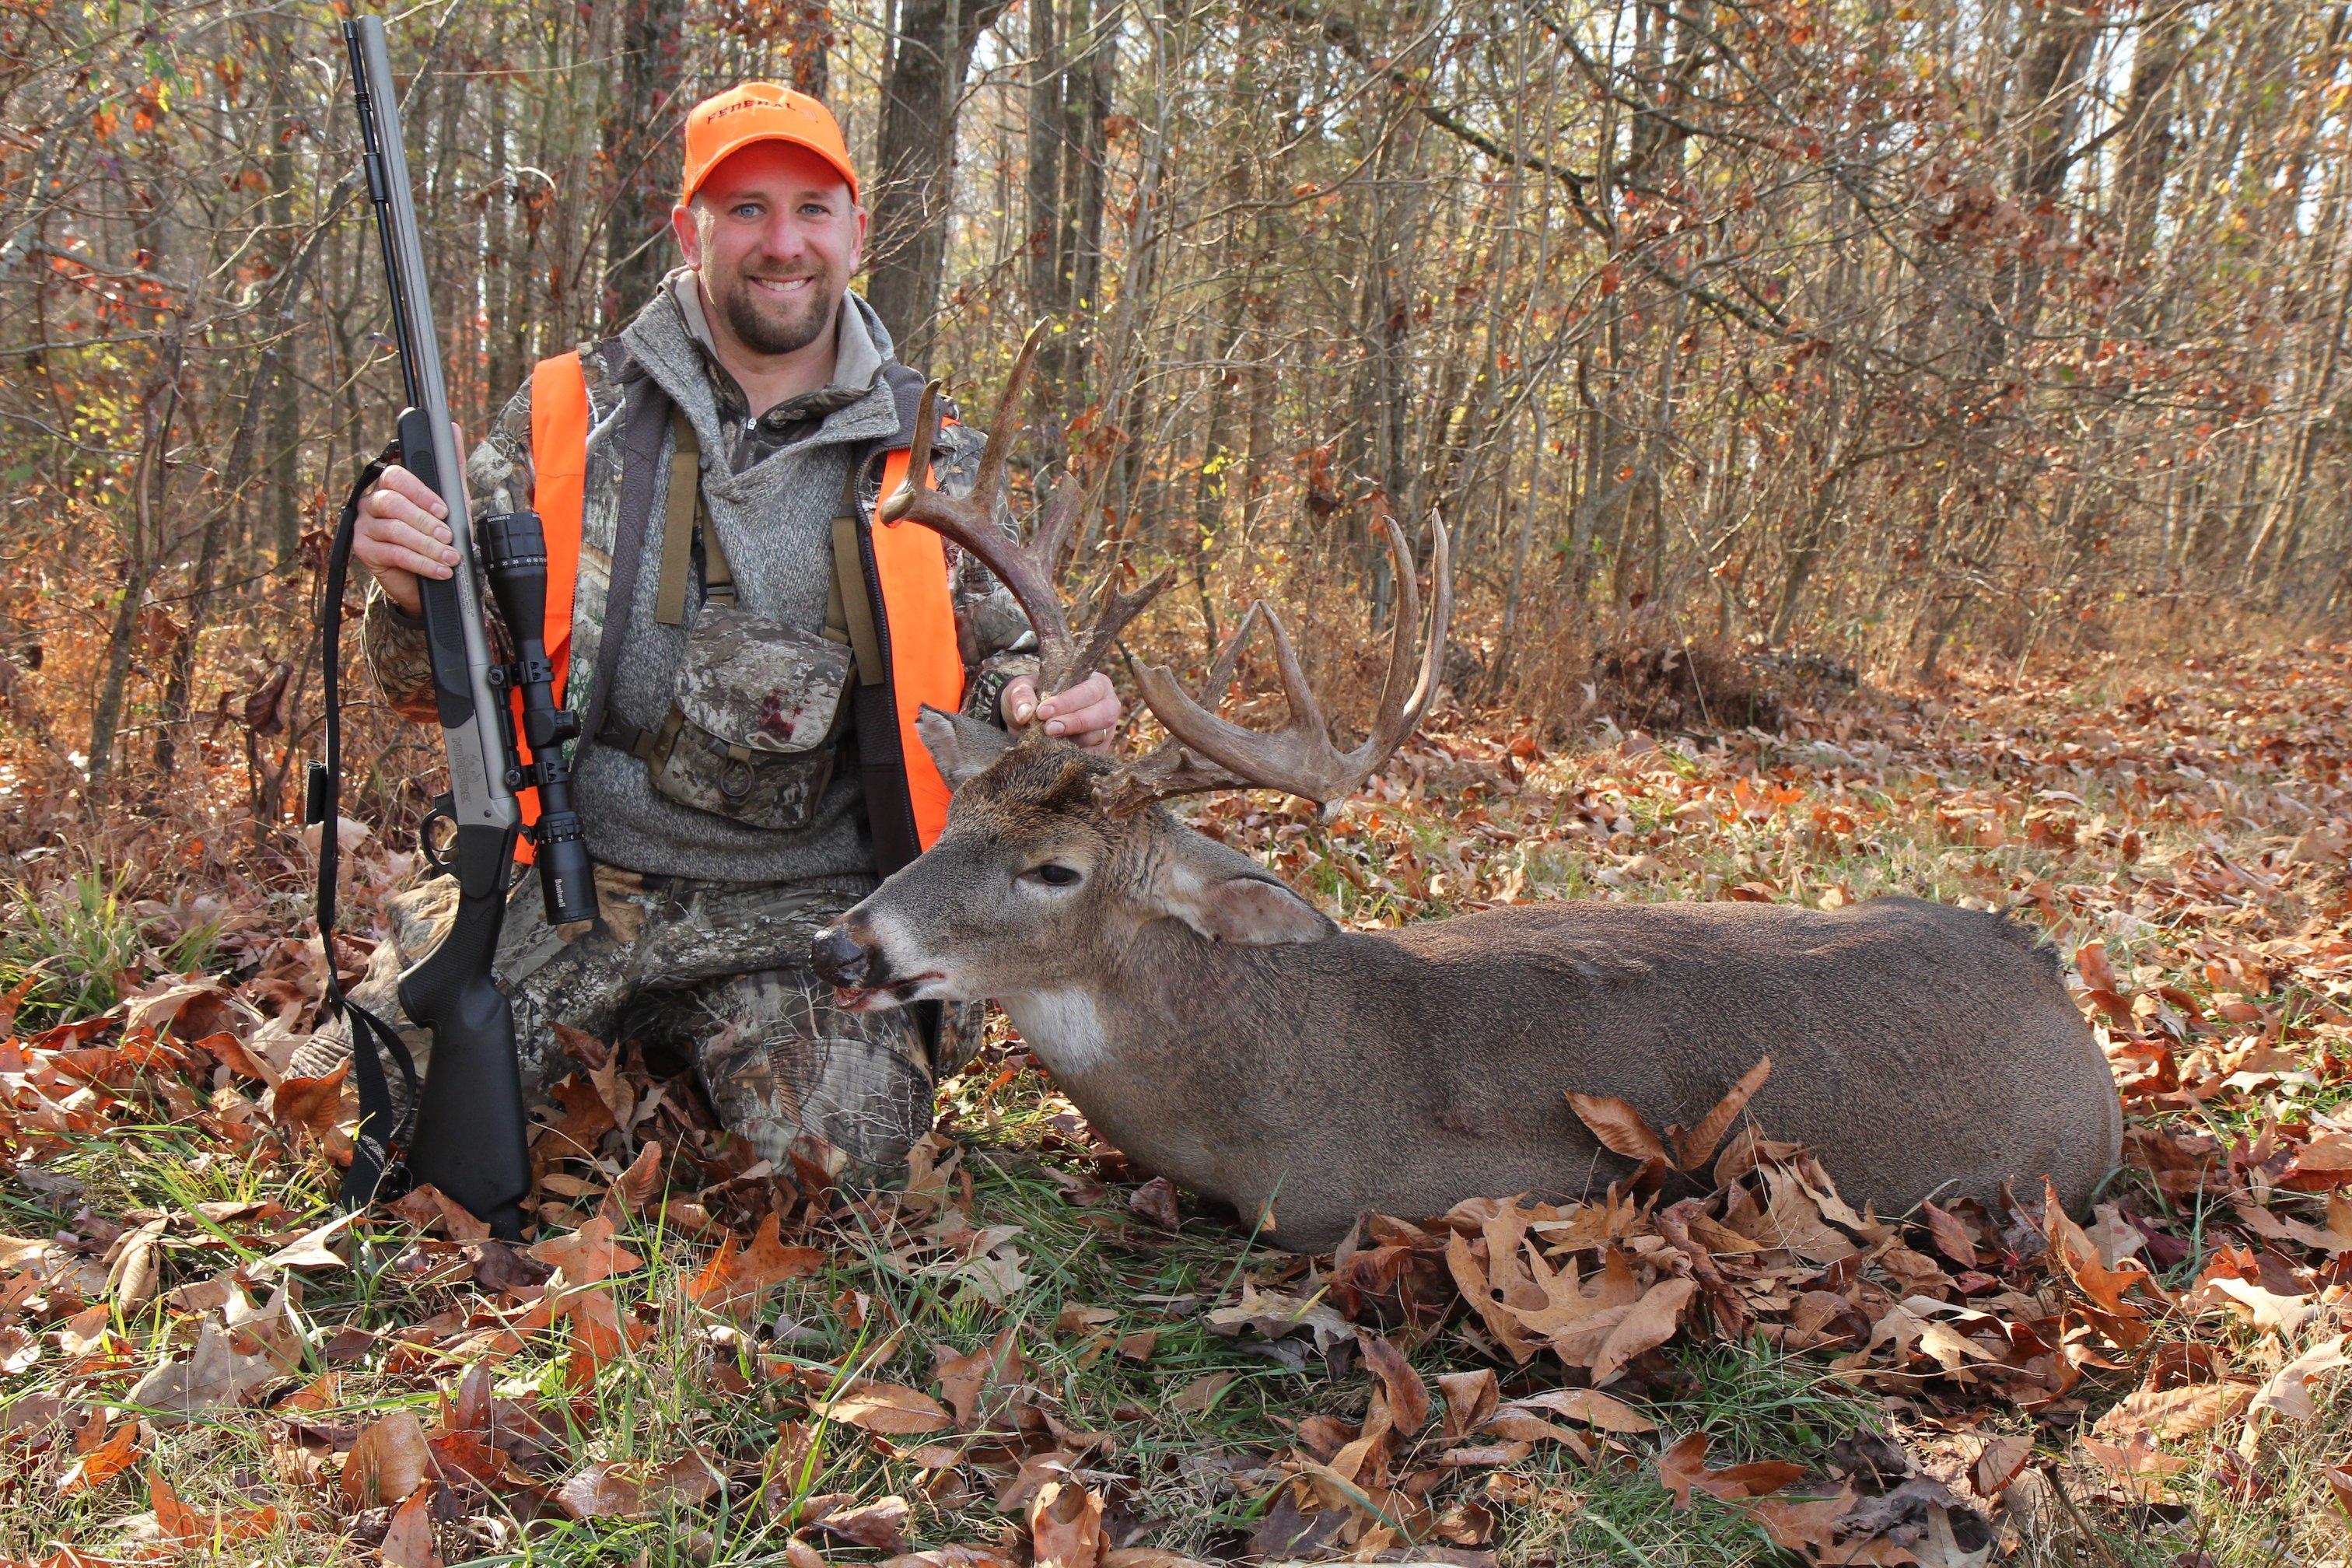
1238	902
961	746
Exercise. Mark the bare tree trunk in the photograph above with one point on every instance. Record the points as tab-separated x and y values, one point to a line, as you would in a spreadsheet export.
149	481
914	189
285	491
639	146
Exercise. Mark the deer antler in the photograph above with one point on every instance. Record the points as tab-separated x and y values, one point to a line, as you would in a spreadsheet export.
1204	751
982	524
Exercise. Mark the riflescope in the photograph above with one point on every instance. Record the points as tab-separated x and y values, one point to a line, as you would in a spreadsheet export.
514	558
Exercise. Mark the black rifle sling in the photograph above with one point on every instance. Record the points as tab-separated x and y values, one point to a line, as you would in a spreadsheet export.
372	1038
640	463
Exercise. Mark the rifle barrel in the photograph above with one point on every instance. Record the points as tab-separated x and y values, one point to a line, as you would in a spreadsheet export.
479	794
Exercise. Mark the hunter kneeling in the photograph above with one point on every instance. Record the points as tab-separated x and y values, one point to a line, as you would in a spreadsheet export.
748	653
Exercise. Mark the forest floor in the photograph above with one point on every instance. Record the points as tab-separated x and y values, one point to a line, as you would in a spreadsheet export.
1029	1354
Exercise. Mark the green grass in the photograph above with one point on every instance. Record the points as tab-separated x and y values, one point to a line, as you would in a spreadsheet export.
691	1386
74	939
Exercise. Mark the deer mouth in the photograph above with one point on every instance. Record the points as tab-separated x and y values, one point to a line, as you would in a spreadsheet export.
880	998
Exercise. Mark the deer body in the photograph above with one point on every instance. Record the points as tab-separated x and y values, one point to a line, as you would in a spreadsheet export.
1227	1034
1925	1051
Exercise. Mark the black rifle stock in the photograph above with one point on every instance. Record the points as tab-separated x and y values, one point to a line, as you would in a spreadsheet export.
470	1137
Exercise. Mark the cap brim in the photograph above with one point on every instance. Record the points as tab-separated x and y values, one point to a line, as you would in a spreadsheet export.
751	138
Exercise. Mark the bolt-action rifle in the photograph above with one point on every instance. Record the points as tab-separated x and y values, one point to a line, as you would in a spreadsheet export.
468	1137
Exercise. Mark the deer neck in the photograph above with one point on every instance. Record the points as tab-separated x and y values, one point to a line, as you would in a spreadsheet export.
1127	1026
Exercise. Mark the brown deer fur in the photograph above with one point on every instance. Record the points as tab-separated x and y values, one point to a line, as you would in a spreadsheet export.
1224	1034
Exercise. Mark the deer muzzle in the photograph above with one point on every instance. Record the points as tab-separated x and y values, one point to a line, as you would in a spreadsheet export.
842	960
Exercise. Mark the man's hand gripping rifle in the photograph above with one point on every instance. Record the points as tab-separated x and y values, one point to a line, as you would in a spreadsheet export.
469	1137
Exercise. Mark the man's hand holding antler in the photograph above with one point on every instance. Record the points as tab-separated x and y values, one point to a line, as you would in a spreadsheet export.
1086	715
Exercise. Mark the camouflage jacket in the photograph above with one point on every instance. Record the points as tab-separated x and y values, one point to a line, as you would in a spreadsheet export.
771	488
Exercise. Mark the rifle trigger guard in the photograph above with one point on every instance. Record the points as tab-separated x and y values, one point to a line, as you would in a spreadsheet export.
441	812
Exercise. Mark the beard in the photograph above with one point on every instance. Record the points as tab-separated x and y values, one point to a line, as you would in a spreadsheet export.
766	325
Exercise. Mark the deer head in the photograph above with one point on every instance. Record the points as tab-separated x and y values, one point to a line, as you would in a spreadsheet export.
1050	853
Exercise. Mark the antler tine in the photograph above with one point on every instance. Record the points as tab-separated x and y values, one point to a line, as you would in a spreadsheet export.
1299	757
1398	714
990	481
977	521
1053	537
1113	610
1169	770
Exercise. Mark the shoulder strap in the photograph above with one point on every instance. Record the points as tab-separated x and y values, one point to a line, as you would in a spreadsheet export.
640	451
906	383
678	524
850	610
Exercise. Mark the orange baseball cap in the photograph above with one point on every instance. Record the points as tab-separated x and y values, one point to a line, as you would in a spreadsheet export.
759	111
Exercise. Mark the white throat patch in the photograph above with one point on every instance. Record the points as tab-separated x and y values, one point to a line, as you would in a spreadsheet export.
1063	1028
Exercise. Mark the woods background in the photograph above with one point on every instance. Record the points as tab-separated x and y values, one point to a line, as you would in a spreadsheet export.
1894	334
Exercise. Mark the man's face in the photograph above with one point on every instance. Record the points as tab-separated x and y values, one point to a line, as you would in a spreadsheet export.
776	238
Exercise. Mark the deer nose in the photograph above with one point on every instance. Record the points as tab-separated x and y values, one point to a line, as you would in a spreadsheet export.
838	957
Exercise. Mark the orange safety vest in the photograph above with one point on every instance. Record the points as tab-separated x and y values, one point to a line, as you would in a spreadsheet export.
914	617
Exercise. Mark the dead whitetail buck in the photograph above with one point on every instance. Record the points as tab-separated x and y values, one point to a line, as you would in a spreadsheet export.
1225	1034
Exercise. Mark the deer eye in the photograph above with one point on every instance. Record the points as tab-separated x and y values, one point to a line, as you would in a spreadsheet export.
1054	874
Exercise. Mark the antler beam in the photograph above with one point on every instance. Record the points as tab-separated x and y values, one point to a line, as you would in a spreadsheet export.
1205	752
982	524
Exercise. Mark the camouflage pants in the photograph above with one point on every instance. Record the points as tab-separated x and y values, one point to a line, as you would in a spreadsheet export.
717	970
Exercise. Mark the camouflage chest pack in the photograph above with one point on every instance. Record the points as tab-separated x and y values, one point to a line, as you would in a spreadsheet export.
753	729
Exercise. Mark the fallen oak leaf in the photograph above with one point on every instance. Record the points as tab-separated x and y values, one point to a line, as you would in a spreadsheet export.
586	1256
389	1460
1647	1324
2173	1413
1696	1147
1156	1201
1809	1525
173	1517
425	1205
929	1557
890	1409
2335	1239
212	1373
1274	1314
880	1524
1681	1468
2002	1460
2137	1466
2287	1393
1065	1526
314	1107
1619	1127
2338	1477
1470	1399
1407	1396
621	1489
103	1463
1200	1395
310	1250
1590	1406
1952	1237
964	1379
2266	1310
1514	1425
632	1188
408	1539
1482	1455
768	1262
